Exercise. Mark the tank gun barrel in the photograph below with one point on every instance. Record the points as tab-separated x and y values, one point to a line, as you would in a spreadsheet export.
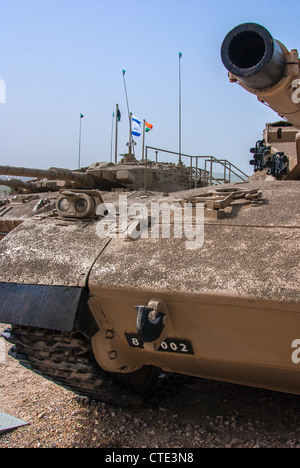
79	179
52	174
15	183
94	178
264	67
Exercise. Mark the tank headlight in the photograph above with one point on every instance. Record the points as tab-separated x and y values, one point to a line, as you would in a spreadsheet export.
81	205
84	206
78	204
64	204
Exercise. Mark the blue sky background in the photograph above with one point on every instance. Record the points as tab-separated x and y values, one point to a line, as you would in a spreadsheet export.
60	58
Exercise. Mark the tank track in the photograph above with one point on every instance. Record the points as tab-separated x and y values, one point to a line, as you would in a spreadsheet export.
67	360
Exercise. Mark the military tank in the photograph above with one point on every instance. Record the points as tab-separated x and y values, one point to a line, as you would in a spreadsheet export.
128	174
110	290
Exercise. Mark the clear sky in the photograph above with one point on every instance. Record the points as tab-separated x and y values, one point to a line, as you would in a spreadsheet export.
61	58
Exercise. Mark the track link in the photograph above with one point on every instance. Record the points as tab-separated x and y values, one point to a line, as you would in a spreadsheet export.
67	360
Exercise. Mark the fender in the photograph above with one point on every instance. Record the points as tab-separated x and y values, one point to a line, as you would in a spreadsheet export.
50	307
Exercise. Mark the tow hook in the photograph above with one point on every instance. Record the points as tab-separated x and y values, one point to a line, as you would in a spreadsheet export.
150	321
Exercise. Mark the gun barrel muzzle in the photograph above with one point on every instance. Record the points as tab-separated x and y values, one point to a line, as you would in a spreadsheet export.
251	54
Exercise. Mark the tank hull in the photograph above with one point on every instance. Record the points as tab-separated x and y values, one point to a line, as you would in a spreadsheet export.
226	338
230	307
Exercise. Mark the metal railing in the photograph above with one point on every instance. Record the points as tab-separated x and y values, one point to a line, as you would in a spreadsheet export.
205	175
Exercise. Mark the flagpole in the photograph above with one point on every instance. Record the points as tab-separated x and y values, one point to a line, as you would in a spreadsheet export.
145	173
116	136
124	71
130	135
129	113
180	55
144	131
111	140
79	163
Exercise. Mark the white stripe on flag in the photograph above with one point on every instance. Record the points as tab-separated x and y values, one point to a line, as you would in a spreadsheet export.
136	126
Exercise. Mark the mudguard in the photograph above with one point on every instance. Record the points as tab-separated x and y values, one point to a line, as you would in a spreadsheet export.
51	307
48	307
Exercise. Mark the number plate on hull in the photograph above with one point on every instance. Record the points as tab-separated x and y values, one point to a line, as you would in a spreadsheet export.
169	345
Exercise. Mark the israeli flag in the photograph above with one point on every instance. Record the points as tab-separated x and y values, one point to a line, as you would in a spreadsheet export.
136	126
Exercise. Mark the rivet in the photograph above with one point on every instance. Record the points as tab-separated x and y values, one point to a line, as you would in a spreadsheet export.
113	355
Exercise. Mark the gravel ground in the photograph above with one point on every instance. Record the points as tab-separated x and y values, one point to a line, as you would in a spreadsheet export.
184	413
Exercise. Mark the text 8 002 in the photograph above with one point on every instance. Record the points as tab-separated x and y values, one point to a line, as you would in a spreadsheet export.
170	345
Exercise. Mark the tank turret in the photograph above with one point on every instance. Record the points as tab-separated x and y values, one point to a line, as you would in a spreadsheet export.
263	66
